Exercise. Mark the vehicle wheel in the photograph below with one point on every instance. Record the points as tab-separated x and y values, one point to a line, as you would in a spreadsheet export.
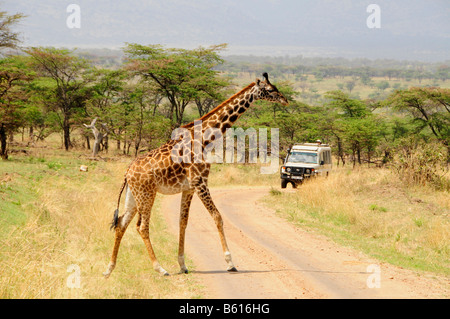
283	183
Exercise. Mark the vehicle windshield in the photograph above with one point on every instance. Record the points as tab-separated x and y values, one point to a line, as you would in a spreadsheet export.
302	157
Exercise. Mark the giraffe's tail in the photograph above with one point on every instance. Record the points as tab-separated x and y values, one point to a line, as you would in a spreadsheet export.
115	220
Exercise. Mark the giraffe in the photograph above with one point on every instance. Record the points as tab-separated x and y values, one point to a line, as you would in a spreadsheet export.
158	172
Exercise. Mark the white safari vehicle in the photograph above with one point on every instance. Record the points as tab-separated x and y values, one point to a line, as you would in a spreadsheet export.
303	161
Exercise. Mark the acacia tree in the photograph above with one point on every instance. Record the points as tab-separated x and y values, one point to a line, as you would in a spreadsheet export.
14	76
181	76
9	38
10	76
331	125
105	95
354	125
135	115
67	90
429	107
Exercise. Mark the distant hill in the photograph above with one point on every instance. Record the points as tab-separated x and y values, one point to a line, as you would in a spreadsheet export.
410	30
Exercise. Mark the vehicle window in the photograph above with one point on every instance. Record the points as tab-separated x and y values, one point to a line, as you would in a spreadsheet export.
303	157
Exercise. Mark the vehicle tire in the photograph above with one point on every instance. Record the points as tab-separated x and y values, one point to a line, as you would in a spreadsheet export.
283	183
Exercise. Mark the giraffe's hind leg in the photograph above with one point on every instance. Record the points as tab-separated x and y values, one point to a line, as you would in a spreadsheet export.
144	206
122	224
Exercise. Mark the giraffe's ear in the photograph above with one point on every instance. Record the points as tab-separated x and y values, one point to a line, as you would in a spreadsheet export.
266	77
258	82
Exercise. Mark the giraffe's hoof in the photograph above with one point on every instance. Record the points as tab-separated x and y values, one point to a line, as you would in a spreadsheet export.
161	270
109	270
232	269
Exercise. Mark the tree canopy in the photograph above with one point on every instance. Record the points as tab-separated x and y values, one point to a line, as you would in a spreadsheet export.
182	76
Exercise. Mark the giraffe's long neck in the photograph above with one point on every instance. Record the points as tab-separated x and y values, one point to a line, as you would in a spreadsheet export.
227	113
222	117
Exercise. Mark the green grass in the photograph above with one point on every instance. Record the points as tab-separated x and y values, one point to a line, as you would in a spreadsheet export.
16	190
375	207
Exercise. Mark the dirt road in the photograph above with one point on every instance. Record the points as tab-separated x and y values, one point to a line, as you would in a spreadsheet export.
277	260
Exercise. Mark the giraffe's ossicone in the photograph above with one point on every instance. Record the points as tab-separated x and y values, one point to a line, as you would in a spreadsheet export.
157	171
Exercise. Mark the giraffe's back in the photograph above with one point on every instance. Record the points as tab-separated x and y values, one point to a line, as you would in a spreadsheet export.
157	170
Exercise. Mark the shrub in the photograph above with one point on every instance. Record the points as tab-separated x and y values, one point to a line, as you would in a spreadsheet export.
421	163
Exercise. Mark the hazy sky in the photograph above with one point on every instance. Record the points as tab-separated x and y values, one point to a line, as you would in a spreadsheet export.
408	29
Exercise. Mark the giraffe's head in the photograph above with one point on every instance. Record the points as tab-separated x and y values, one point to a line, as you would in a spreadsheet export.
268	91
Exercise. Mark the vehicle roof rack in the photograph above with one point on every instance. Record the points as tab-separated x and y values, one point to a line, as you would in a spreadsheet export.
310	144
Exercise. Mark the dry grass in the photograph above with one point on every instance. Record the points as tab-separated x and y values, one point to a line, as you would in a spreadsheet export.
57	216
372	210
232	175
68	224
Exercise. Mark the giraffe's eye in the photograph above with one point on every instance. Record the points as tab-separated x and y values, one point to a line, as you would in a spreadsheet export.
271	89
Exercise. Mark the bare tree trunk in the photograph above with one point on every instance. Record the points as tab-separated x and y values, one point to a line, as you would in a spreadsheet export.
98	136
105	142
358	152
3	150
128	148
66	132
354	156
88	142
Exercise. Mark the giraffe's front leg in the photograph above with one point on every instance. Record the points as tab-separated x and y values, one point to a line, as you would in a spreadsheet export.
186	199
205	196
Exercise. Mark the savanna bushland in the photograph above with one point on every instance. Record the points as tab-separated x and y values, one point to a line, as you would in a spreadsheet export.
387	122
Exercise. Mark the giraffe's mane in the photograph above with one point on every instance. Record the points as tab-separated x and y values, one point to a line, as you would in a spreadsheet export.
207	115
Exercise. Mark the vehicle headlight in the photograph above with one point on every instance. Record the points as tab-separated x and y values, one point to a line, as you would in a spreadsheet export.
308	171
288	169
